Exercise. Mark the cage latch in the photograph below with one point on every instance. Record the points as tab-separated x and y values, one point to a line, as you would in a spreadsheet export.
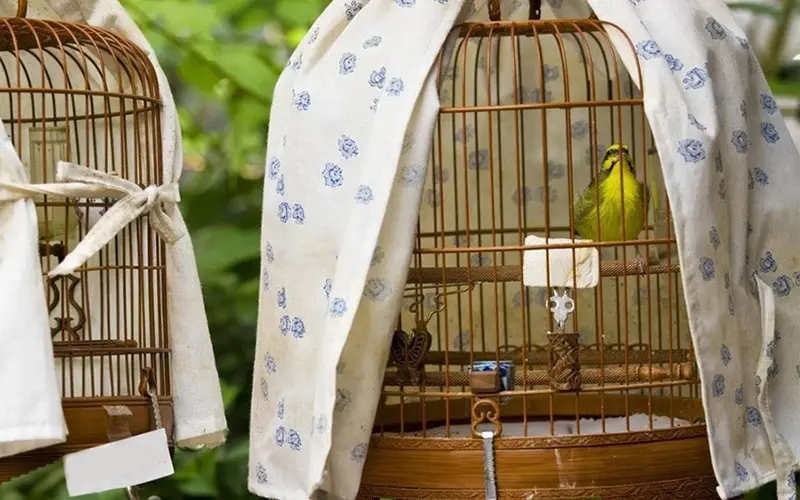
118	420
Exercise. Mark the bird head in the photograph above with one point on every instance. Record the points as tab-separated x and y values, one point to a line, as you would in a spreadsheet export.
616	154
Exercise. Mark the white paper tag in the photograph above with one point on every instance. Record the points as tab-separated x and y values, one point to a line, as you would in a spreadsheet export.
561	264
127	462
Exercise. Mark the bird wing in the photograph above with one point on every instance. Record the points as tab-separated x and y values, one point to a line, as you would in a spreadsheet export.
584	204
652	197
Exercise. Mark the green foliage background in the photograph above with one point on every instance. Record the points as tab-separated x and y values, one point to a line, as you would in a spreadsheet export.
223	58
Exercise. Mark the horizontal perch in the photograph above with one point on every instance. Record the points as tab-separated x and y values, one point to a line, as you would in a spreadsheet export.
586	356
89	348
679	371
491	274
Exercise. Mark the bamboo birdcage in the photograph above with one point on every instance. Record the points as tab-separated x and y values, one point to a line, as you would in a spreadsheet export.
76	93
609	407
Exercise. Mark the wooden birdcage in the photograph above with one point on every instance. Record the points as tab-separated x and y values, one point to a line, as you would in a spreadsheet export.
607	407
76	93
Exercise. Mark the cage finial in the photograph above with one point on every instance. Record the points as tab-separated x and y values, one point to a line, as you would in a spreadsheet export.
494	10
22	8
534	14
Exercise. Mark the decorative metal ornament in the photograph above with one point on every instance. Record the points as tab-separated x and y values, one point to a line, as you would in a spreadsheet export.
561	306
408	354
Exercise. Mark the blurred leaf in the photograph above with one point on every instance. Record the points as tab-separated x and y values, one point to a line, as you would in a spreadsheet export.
244	65
295	36
184	19
301	14
219	247
195	72
50	480
229	393
755	8
197	476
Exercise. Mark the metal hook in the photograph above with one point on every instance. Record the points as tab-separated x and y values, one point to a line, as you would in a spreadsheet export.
414	308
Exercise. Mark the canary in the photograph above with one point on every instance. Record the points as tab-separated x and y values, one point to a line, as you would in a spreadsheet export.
618	196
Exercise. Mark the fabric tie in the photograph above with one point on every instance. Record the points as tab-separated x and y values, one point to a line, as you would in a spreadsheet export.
76	181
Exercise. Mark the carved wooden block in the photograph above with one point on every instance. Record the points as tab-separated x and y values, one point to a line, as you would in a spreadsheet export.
485	382
564	368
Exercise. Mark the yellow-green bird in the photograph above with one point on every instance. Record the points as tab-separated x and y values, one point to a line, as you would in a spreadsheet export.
618	196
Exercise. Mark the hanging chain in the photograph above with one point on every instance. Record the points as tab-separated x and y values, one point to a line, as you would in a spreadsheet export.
154	405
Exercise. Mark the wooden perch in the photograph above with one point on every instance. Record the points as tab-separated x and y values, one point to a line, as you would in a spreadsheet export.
639	373
499	274
540	357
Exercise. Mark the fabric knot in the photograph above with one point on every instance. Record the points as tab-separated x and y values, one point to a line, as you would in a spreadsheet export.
152	196
76	181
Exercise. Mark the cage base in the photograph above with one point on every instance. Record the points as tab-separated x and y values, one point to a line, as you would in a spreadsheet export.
87	423
657	463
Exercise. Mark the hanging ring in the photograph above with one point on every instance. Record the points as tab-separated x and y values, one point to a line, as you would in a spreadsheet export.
494	10
535	12
22	8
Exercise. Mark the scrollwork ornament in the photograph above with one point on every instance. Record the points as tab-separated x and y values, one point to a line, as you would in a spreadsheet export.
486	411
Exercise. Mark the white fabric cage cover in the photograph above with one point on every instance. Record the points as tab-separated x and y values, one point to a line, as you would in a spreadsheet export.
358	94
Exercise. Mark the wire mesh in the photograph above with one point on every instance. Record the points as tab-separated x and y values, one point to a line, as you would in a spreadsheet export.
81	94
528	109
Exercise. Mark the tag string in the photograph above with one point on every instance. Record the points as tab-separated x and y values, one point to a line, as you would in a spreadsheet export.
154	405
489	479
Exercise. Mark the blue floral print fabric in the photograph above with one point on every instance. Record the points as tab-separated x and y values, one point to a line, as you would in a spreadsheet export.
731	171
349	140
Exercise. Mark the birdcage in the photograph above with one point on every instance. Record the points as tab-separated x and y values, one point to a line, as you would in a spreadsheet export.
584	379
84	95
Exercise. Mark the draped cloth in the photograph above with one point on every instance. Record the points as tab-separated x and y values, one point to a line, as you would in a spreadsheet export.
32	415
349	142
730	169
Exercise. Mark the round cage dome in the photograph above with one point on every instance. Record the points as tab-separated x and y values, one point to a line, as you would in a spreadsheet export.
604	403
84	95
